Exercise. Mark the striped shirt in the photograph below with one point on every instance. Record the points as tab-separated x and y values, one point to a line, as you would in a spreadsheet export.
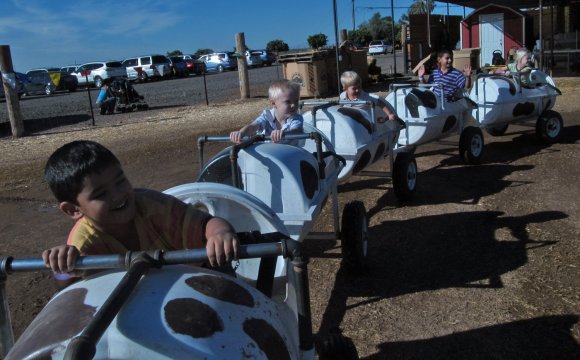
451	81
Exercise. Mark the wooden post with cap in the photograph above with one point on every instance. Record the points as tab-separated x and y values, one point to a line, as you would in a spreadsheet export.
242	66
11	94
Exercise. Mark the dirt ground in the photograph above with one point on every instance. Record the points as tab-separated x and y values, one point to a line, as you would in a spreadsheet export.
482	264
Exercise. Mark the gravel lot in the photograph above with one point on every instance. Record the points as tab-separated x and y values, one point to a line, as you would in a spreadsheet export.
483	264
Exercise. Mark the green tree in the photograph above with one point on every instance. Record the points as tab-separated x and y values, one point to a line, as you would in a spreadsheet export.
277	46
174	53
317	41
203	51
379	27
361	37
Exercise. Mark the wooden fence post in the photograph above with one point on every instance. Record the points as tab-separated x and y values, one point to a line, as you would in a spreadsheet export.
242	66
12	103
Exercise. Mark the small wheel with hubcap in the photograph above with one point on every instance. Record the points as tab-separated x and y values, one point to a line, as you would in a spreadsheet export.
471	145
48	89
98	82
220	68
405	176
549	126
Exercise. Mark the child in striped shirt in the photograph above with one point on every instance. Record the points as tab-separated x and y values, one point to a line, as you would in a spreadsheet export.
445	74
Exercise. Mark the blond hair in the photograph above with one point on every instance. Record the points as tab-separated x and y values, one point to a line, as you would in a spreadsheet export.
520	53
350	78
279	86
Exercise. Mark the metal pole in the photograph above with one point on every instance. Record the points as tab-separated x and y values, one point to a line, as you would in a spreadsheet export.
90	99
393	37
353	23
336	47
541	30
6	334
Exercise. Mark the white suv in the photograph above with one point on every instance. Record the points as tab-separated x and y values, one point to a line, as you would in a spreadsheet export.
379	47
148	67
96	72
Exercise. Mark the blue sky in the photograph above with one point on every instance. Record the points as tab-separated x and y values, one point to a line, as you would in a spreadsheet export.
62	32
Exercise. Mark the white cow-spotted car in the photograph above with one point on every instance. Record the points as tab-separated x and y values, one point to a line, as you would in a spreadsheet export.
503	100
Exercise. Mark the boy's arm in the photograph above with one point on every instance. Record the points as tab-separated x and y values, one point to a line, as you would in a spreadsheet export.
222	242
236	136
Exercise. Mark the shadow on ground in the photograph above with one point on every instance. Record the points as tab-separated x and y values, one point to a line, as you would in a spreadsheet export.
545	337
425	253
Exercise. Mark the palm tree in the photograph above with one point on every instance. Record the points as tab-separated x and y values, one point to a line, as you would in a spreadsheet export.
419	7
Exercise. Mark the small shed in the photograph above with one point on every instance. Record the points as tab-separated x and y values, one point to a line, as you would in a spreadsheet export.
496	27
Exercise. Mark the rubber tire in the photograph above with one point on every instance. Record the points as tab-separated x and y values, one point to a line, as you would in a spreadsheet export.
497	131
337	347
549	127
143	78
354	237
471	145
220	68
405	176
48	90
98	82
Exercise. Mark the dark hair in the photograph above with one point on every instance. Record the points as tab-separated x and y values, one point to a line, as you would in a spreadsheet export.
442	52
68	166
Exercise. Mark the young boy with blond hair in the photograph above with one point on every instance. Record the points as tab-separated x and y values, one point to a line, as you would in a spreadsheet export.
111	217
282	118
352	91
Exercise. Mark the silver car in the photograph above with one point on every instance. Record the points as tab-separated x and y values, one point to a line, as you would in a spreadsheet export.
94	73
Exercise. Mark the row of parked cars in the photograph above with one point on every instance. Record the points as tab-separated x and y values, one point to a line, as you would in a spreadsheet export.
139	68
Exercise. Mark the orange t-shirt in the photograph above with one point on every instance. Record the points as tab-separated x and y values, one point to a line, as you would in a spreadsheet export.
162	222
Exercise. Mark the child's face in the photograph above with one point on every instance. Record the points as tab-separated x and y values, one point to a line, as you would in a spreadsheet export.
286	104
524	61
445	61
107	199
352	92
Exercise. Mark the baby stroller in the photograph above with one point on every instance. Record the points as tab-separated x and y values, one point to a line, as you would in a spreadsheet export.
128	99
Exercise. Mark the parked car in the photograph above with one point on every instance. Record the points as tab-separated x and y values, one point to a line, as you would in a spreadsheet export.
254	58
22	81
69	69
178	67
147	67
380	47
49	80
268	57
98	71
194	64
220	61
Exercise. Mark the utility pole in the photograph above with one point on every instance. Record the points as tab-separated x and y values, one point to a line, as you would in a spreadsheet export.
242	66
10	83
353	23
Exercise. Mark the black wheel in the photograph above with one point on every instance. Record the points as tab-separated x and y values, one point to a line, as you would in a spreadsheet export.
471	145
72	89
48	89
354	236
549	126
405	176
497	131
98	82
220	68
337	347
143	77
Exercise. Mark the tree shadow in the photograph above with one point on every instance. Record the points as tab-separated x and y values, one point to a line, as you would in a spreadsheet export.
547	337
426	253
32	126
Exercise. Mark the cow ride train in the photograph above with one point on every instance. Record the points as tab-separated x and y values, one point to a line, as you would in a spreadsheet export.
151	305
